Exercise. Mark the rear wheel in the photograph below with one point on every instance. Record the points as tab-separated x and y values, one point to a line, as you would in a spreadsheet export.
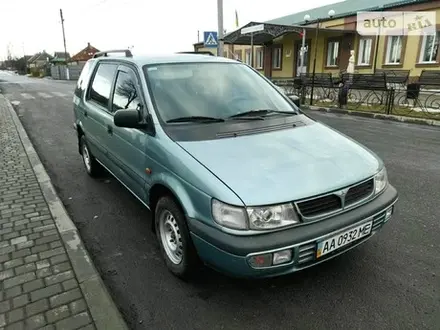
175	242
93	168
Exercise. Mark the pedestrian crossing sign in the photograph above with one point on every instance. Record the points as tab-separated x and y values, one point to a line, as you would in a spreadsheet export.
210	39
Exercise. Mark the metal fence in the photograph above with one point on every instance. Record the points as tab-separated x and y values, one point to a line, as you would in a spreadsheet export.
382	92
58	72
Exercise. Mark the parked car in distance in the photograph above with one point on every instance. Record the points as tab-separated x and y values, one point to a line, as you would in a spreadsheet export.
235	175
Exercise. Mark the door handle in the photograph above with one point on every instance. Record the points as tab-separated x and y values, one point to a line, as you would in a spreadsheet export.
109	130
85	114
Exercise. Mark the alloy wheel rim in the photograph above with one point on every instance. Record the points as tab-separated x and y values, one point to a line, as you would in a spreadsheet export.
171	237
86	158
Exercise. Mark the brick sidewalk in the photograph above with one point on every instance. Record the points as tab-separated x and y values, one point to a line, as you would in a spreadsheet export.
41	283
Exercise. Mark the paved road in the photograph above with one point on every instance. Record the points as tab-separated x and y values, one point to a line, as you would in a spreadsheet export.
391	282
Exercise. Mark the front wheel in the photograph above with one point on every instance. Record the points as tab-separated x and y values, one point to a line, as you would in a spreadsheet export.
174	239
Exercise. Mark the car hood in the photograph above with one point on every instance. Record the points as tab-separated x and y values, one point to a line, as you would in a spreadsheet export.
285	165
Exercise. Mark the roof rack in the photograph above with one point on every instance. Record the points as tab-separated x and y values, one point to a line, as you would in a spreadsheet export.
126	51
198	53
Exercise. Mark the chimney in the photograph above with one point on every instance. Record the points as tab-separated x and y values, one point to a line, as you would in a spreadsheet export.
88	45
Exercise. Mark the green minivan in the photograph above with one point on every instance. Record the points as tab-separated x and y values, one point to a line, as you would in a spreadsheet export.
235	175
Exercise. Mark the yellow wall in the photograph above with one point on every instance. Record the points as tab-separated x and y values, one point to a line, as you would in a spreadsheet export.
335	24
288	55
412	54
289	62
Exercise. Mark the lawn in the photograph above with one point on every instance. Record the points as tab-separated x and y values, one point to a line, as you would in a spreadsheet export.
397	110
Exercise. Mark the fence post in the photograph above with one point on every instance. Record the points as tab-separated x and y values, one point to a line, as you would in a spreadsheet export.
390	101
303	94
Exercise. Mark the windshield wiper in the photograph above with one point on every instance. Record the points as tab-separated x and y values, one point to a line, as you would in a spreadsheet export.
196	119
260	112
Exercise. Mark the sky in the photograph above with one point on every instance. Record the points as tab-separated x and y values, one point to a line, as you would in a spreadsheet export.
149	27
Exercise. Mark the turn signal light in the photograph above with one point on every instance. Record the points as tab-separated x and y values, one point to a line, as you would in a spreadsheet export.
261	261
389	213
270	259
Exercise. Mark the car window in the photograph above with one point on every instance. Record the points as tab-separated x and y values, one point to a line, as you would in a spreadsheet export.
211	89
83	78
102	84
126	93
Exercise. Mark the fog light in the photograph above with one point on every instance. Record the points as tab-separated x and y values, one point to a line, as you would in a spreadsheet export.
388	213
282	257
260	261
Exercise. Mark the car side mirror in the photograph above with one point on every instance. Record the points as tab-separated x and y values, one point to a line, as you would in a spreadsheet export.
128	119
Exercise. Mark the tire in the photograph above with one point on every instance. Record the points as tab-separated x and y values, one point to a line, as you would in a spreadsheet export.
92	167
171	227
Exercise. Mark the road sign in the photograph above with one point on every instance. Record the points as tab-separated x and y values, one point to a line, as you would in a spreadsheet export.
210	39
255	28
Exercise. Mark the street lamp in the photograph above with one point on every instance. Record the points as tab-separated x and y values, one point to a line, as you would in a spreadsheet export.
331	13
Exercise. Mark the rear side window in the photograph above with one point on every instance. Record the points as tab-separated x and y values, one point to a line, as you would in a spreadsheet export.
83	78
102	84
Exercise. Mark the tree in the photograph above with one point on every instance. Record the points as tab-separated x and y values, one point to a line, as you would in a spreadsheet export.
18	64
128	90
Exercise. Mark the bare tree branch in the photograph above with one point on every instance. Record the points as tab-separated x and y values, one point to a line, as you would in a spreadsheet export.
128	90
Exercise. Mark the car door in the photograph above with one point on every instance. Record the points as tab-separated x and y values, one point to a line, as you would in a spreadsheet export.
97	117
129	146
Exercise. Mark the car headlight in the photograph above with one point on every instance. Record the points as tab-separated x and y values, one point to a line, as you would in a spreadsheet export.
270	217
229	216
380	180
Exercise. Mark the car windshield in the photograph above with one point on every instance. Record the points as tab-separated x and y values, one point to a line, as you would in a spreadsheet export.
215	90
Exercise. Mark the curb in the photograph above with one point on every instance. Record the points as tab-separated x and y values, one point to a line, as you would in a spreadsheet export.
402	119
103	310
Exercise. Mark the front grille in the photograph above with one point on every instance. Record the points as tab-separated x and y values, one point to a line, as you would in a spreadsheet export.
336	201
359	192
320	205
306	253
378	221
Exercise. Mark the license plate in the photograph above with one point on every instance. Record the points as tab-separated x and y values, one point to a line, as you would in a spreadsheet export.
343	238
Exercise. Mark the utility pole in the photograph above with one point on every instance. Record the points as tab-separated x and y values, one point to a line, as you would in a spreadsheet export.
376	49
220	27
65	48
25	60
303	52
9	52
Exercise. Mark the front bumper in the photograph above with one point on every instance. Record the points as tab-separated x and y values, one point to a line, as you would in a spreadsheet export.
230	253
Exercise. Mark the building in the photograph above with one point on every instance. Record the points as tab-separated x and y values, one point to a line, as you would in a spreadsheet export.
237	52
277	51
59	58
39	60
85	54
